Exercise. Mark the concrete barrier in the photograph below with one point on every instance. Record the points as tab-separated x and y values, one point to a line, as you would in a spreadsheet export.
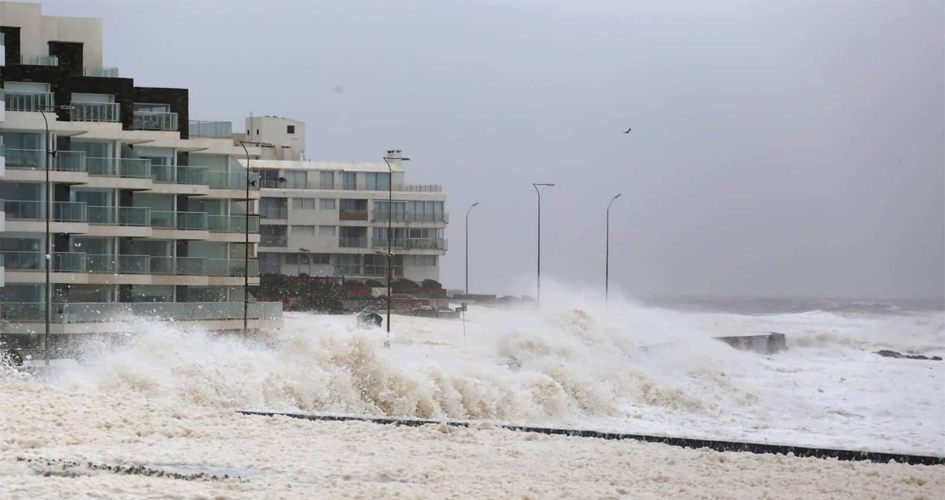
734	446
770	343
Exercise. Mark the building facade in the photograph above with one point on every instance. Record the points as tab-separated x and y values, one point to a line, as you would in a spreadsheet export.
325	218
149	209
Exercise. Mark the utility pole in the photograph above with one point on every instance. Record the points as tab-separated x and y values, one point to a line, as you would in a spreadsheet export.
607	254
536	185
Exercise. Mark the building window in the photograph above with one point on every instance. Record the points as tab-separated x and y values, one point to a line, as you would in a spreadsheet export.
326	231
326	180
349	180
321	258
420	260
303	231
292	258
290	129
296	179
326	204
378	182
303	203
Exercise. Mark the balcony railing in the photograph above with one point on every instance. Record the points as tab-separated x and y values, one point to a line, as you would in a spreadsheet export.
27	101
39	60
231	267
153	120
95	112
274	241
126	168
118	264
412	244
381	270
119	216
338	186
232	223
182	221
97	312
345	242
179	266
63	211
353	215
380	215
274	213
62	262
169	174
216	130
100	71
232	180
35	159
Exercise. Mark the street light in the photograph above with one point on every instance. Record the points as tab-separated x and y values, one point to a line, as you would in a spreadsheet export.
607	254
246	230
467	245
309	254
536	185
50	154
390	233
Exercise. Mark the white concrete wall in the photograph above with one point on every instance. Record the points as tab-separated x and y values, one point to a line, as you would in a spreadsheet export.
273	129
38	30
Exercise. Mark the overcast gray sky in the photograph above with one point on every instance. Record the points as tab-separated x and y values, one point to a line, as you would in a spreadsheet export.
778	148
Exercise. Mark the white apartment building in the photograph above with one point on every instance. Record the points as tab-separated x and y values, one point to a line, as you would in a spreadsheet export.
149	210
330	218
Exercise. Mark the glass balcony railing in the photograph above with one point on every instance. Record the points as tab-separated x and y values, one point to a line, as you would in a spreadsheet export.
96	312
126	168
100	71
119	216
118	264
62	262
232	223
69	161
231	267
232	180
192	175
274	213
95	112
27	101
412	244
35	159
152	120
63	211
216	130
380	215
344	242
274	241
39	60
182	221
163	174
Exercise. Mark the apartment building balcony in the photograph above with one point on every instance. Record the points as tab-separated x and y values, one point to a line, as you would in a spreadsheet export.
274	241
382	216
232	185
333	186
27	101
30	216
100	71
349	215
39	60
103	112
30	267
231	272
412	244
88	317
274	213
179	225
29	165
155	120
119	173
168	179
210	129
232	228
119	221
344	242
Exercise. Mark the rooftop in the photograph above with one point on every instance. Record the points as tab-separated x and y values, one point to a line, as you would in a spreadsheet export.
352	166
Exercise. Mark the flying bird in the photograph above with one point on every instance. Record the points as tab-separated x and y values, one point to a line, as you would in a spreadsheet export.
628	131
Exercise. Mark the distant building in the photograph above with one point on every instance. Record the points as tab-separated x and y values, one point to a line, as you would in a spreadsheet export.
329	218
149	210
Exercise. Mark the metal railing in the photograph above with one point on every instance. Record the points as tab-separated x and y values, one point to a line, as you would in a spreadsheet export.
412	244
349	186
232	267
232	223
344	242
63	211
380	215
179	266
27	101
100	71
95	112
154	120
125	168
353	215
381	270
192	175
217	130
232	180
182	221
98	312
119	216
39	60
274	241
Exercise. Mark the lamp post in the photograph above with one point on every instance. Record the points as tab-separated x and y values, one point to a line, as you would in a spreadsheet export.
50	154
607	254
467	245
536	185
246	231
390	233
309	254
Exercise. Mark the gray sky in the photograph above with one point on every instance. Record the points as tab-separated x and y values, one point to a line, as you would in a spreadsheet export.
785	148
